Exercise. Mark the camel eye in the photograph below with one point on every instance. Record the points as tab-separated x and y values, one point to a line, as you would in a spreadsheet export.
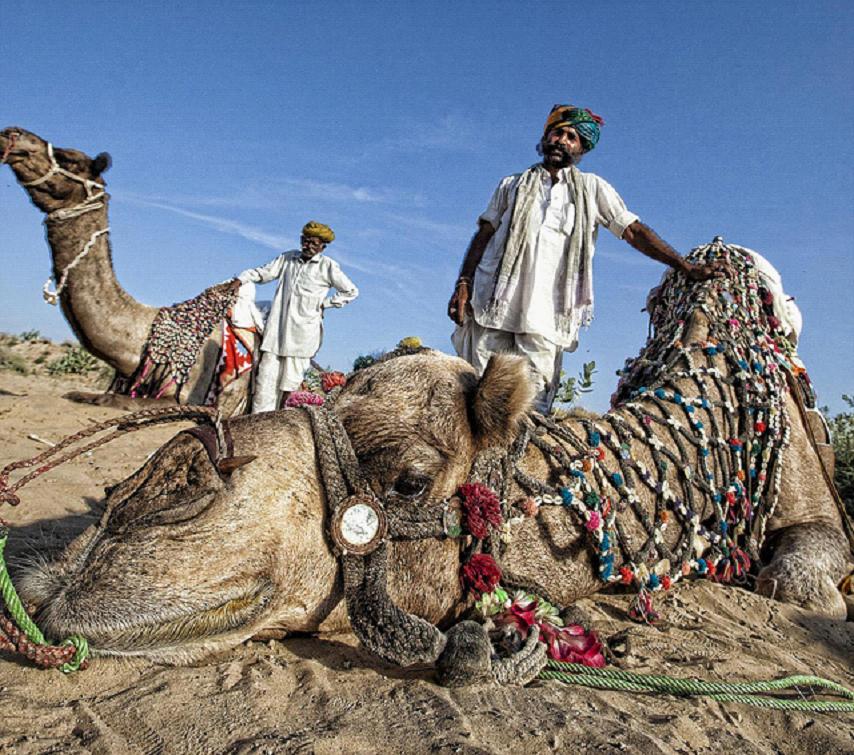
410	485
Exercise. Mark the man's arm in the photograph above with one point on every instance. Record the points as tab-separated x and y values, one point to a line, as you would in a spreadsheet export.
264	273
648	242
345	289
462	290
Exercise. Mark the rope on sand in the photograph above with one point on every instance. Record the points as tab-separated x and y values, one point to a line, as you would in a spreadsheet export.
749	693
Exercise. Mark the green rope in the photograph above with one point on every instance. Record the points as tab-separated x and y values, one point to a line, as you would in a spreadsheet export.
13	602
22	618
739	692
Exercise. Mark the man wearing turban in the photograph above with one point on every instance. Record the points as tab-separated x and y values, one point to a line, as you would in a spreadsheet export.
526	283
294	327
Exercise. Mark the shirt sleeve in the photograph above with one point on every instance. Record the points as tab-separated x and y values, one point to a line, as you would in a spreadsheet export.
264	273
497	204
611	209
345	289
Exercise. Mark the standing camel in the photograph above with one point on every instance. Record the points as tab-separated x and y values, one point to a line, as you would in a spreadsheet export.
67	185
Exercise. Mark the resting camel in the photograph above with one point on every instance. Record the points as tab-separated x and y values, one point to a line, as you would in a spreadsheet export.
69	188
703	464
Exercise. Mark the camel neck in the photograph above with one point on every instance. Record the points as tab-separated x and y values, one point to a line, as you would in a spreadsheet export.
105	318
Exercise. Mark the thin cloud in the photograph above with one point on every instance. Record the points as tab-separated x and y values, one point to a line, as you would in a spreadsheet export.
452	132
288	190
339	192
277	241
224	225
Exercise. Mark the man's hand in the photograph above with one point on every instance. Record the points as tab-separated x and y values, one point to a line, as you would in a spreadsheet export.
717	269
459	301
647	241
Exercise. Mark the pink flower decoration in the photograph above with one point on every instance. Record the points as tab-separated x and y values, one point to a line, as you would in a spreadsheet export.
572	644
593	522
303	398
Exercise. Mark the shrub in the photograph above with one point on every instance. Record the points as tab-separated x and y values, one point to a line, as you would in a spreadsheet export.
30	335
10	361
75	361
842	433
571	388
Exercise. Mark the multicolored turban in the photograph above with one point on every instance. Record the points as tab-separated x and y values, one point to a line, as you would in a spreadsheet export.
323	232
584	121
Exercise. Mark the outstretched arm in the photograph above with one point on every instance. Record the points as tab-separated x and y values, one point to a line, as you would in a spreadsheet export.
462	290
648	242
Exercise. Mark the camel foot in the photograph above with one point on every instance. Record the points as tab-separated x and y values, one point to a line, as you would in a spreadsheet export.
806	566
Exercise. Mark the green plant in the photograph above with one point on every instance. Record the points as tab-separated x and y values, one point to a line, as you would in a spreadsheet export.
30	335
10	361
75	361
842	434
571	388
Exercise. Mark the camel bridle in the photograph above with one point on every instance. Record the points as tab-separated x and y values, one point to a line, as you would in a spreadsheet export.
360	525
10	144
95	200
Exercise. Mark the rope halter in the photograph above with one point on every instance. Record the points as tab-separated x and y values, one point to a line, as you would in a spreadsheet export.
95	195
10	144
360	527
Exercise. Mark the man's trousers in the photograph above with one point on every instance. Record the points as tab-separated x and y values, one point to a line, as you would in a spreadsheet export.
276	374
477	344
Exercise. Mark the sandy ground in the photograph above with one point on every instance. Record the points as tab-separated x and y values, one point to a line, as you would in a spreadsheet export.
326	695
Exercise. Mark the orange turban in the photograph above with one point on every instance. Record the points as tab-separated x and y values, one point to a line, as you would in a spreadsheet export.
323	232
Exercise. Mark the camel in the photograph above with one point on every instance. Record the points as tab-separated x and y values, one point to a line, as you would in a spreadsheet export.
69	188
187	560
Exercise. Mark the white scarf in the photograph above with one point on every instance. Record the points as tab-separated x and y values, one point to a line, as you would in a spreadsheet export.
577	268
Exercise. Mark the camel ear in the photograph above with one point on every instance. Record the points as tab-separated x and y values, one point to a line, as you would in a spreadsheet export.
501	398
101	163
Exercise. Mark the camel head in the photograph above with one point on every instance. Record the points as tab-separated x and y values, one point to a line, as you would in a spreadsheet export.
186	559
54	178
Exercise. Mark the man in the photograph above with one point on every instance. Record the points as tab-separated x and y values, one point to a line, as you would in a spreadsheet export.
526	283
294	328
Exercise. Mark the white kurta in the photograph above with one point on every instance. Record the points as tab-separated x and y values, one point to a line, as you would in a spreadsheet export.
295	324
533	296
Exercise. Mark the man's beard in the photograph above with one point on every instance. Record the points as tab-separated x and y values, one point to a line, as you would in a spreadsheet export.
558	156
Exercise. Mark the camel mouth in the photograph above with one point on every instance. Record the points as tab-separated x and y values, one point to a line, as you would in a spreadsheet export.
165	630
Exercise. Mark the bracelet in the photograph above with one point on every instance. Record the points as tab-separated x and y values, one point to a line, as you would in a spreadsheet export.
463	280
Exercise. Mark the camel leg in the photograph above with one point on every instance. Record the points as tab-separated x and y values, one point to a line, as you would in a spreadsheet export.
808	562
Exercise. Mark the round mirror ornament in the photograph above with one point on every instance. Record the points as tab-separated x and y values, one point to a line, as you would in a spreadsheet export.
359	525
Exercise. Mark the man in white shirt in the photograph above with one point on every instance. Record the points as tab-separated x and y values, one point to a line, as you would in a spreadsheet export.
294	328
526	283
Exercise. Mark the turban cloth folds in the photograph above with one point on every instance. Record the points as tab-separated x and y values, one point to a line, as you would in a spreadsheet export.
584	121
318	230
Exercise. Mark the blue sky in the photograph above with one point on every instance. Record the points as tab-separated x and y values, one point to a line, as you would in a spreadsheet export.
231	124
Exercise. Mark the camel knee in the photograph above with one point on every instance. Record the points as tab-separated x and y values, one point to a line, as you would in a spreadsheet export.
807	563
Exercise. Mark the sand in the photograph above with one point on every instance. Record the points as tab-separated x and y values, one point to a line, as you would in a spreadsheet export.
327	695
